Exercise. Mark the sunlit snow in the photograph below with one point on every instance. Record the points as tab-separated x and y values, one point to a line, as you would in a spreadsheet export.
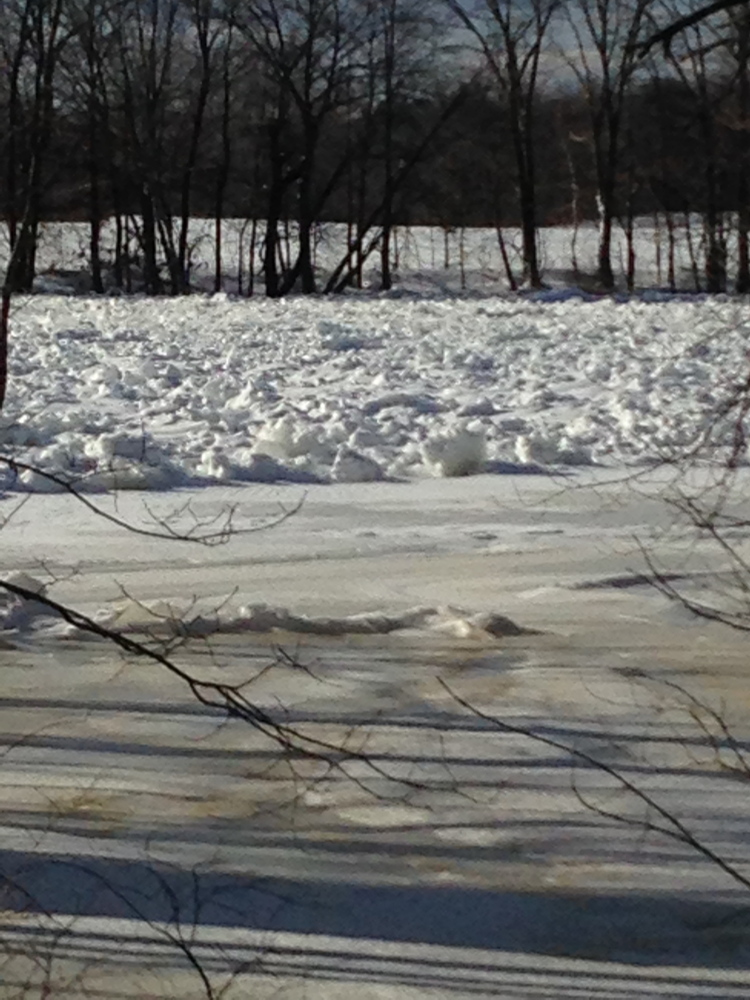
415	505
151	394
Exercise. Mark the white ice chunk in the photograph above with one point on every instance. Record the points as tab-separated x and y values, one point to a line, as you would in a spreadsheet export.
136	447
461	453
215	464
535	449
36	482
413	401
255	467
340	337
481	408
352	467
123	474
288	438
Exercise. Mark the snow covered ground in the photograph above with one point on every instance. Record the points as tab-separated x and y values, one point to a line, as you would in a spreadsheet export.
159	393
426	260
440	470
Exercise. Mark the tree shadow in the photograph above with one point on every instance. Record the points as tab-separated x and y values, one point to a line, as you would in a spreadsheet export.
640	928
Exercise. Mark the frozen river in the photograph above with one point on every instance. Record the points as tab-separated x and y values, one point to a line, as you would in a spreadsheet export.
425	848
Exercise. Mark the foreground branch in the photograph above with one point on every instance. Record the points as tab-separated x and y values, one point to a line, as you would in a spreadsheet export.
227	698
196	535
665	36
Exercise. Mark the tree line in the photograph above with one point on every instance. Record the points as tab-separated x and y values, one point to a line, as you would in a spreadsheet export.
375	114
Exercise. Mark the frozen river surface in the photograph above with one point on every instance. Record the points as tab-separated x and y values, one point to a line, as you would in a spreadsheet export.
427	848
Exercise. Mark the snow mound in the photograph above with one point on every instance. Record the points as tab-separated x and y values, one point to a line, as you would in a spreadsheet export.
465	625
462	453
537	450
120	474
167	618
125	475
250	467
291	437
260	468
352	467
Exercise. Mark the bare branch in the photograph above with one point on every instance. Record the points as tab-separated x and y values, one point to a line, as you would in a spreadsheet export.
670	826
665	36
165	531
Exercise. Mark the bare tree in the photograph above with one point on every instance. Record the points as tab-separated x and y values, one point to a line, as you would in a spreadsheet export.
307	51
511	37
389	30
34	36
207	31
737	119
606	32
86	84
143	82
694	64
224	160
369	234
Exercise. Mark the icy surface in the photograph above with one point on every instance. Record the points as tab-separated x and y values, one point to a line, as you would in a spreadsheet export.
402	569
152	394
465	865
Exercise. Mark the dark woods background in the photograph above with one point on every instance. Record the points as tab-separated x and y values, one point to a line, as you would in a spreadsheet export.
376	114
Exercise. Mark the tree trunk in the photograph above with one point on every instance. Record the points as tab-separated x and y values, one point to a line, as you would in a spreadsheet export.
4	331
512	283
95	210
521	124
531	273
224	166
606	173
716	255
117	268
303	268
742	22
605	274
192	154
386	276
151	277
671	253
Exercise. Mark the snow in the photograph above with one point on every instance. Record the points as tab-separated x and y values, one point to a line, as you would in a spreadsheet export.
170	619
568	258
418	496
152	394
